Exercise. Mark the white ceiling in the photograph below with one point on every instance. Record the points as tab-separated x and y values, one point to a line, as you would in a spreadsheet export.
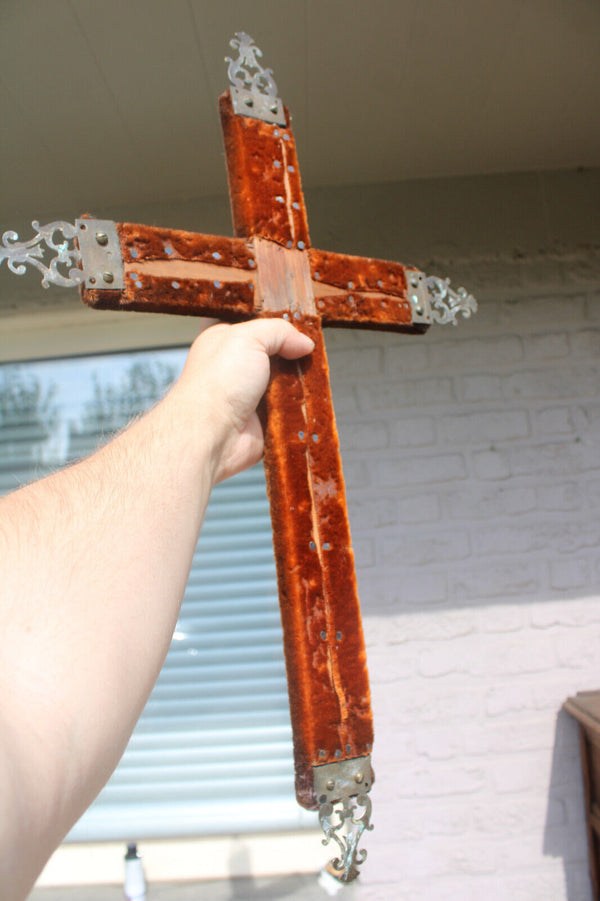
114	102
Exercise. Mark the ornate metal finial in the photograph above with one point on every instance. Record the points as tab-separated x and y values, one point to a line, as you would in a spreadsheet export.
93	256
20	254
253	89
446	303
341	790
433	300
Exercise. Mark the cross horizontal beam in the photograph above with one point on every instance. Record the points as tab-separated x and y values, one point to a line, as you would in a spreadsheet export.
167	270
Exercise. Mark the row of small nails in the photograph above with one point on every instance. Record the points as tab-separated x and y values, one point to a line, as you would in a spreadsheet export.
169	251
338	753
277	163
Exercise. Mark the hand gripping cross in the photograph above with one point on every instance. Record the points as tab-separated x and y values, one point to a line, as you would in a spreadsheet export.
270	269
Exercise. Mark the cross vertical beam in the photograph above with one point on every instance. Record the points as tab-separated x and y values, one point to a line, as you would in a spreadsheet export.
324	646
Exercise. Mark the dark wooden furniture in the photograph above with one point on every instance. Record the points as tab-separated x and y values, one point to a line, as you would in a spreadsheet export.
585	707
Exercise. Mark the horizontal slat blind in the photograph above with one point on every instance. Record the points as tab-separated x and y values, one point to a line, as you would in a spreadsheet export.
212	751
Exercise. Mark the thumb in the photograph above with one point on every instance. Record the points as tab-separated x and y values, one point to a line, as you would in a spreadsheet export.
277	336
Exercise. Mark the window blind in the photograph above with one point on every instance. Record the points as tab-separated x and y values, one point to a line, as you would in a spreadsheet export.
212	751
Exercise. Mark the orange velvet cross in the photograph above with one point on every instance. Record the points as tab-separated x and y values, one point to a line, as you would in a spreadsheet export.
270	269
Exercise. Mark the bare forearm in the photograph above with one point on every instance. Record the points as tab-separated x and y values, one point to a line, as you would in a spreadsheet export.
89	605
93	563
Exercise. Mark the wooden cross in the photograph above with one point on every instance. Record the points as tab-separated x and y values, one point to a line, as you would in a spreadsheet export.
270	269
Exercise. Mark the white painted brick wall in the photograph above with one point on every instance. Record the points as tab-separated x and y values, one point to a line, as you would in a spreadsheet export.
472	459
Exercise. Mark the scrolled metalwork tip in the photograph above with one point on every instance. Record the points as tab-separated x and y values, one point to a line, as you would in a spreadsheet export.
253	89
246	72
345	812
447	303
353	815
20	254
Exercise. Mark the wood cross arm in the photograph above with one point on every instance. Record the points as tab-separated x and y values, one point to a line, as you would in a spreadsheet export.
164	270
264	178
364	292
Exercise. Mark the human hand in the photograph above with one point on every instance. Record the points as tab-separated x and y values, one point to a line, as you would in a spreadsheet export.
227	372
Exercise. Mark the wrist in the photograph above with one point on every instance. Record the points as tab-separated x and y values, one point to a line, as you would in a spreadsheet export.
193	428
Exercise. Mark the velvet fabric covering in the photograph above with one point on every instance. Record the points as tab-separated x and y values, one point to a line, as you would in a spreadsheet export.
324	647
269	269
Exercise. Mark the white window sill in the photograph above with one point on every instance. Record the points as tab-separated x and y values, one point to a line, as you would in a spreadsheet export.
291	888
250	856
